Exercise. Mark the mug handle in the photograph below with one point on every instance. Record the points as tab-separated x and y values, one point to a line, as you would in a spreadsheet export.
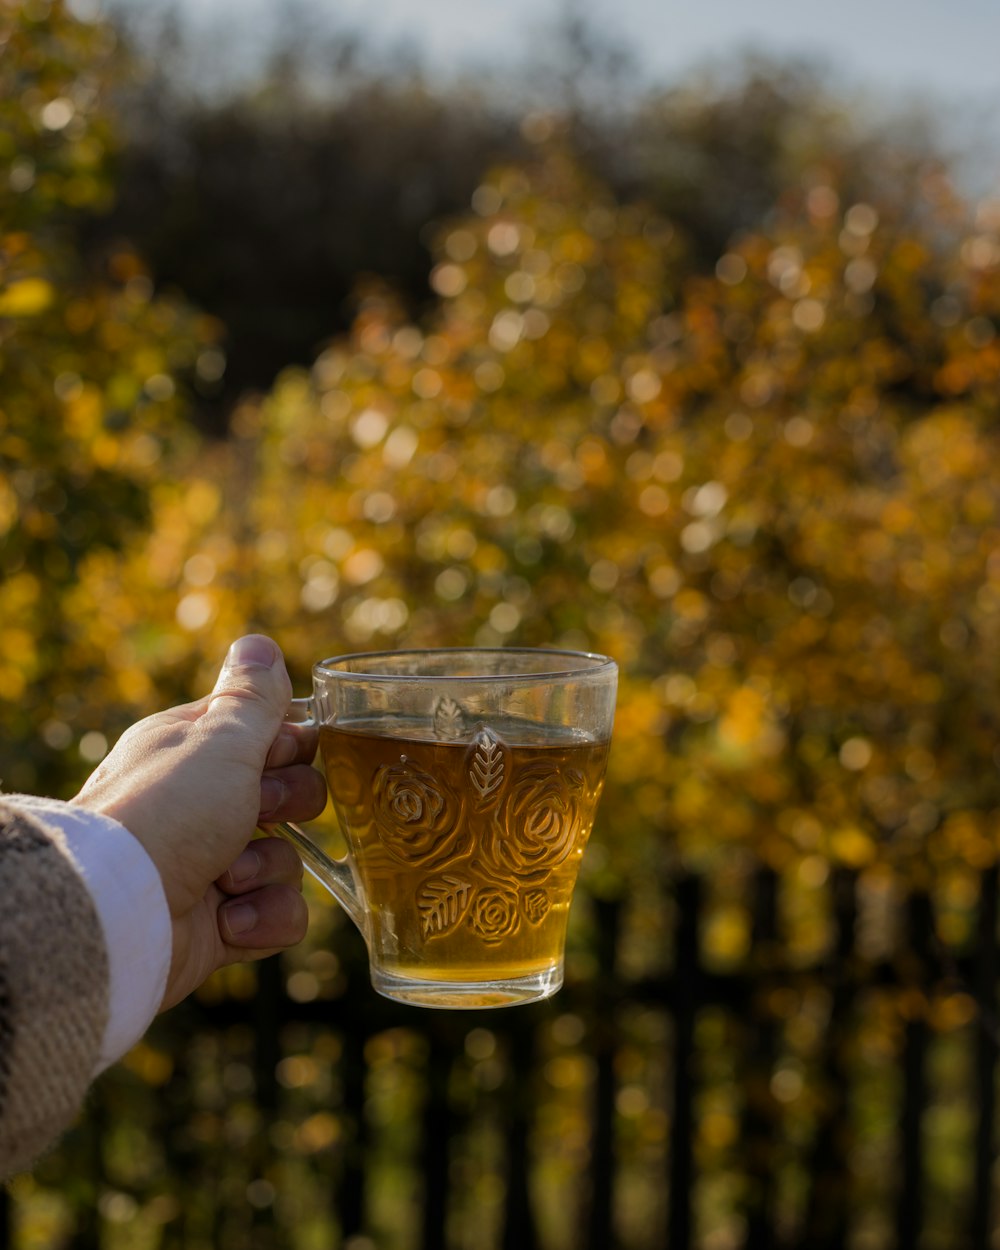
334	875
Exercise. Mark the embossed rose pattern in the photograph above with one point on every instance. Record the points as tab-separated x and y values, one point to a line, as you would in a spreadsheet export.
537	827
485	838
419	821
494	913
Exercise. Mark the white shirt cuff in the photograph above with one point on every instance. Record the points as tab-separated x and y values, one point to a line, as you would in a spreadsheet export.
129	899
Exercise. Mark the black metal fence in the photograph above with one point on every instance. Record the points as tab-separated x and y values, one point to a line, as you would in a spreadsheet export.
844	1101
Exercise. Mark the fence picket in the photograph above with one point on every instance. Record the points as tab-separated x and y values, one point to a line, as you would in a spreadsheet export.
599	1218
352	1189
910	1197
688	989
760	1110
987	1052
825	1222
519	1229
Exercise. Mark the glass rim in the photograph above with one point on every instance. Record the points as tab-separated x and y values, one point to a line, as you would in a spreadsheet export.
595	664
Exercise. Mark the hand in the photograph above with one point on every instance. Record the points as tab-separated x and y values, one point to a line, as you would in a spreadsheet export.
191	784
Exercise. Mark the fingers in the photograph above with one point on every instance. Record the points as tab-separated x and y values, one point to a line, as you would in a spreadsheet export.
266	861
291	789
297	792
265	920
265	911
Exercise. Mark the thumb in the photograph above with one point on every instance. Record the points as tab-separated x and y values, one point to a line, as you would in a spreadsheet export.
253	691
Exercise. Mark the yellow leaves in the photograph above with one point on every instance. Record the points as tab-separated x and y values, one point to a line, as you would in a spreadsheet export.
898	516
134	686
694	805
83	412
746	730
970	837
8	506
594	356
317	1132
979	504
79	315
19	657
635	304
778	547
28	297
38	524
150	1064
953	1011
104	450
691	604
853	847
122	390
593	461
577	247
727	935
732	485
955	377
911	256
640	723
13	680
946	445
202	501
875	546
17	646
147	362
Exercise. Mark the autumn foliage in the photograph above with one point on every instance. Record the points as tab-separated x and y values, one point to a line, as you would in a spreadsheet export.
767	490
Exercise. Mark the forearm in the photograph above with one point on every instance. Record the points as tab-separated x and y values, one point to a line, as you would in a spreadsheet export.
77	985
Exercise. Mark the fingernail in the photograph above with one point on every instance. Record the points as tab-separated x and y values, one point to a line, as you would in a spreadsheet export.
254	649
239	918
272	795
245	867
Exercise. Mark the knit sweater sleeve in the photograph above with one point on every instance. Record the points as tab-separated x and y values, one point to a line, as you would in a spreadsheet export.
53	987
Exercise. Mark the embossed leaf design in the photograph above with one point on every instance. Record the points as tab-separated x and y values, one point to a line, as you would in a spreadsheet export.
487	766
535	905
449	719
442	904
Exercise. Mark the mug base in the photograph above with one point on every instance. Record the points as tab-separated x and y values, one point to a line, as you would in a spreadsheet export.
468	995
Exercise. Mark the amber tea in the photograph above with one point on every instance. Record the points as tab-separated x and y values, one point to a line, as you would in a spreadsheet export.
466	852
466	780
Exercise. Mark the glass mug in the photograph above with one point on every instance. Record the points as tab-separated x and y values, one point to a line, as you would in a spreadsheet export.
465	783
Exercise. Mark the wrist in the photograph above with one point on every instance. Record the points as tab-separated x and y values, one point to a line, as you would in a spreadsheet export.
127	893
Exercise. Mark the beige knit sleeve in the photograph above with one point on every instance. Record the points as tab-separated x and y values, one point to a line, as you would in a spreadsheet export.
53	988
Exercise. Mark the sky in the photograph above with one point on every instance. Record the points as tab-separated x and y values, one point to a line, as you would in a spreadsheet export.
936	55
901	46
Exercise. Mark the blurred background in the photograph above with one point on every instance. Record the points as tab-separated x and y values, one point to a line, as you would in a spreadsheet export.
670	334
